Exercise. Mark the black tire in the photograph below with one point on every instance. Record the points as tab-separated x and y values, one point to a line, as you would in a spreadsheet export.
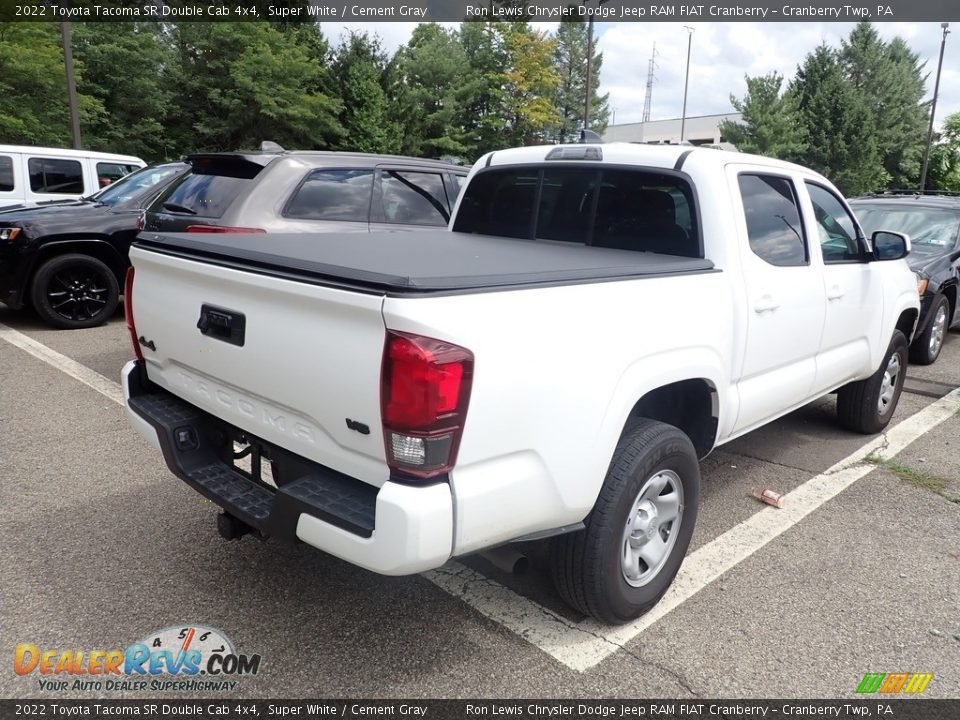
859	403
926	346
587	567
74	291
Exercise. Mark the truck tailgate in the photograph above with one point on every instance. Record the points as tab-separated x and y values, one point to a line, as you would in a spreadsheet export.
306	356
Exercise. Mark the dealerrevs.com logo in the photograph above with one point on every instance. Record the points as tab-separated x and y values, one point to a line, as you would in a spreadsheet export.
188	658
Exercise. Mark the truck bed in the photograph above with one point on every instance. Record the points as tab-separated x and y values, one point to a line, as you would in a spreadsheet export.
419	262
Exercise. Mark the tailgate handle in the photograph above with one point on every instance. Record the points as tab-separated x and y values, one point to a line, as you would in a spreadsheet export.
222	324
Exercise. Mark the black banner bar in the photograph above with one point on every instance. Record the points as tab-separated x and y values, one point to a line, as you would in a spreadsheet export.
231	709
502	10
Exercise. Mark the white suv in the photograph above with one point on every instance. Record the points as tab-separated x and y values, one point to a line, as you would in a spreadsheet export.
31	175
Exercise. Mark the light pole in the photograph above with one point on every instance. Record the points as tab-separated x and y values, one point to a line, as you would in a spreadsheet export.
686	82
933	108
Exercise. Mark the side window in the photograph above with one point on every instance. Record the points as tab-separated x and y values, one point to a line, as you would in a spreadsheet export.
333	195
773	221
6	173
55	176
413	198
837	231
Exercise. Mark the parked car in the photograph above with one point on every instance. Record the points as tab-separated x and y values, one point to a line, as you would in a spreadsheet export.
600	317
295	191
67	259
32	175
933	224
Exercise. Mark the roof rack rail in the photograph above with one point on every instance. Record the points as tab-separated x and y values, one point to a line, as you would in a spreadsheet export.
905	191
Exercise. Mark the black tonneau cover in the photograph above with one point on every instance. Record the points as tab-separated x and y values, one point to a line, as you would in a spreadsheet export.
419	261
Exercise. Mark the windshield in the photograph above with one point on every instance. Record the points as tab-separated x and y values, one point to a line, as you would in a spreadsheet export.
136	186
931	230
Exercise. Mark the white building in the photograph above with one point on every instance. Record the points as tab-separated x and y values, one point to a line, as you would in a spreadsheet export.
699	130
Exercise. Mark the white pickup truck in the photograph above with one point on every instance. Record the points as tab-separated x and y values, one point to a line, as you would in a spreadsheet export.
601	317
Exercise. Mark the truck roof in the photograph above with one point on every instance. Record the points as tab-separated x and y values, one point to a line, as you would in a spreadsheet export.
637	154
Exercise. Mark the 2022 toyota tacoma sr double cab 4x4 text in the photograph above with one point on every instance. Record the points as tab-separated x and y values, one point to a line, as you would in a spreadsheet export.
599	318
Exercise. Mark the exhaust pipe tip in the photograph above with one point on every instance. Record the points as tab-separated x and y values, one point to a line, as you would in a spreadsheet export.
507	559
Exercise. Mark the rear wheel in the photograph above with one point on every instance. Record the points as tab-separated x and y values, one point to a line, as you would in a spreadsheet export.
637	534
925	348
74	291
866	406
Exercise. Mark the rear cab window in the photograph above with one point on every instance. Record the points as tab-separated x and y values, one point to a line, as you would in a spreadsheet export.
644	210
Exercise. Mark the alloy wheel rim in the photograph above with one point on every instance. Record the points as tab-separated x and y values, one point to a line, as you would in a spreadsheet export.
651	528
938	331
77	293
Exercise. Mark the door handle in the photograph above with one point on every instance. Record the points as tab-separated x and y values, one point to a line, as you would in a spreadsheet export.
766	304
835	293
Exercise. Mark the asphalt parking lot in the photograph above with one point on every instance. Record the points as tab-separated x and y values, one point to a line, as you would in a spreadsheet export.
860	572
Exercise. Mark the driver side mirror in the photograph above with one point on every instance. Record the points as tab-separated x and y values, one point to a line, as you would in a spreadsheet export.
888	245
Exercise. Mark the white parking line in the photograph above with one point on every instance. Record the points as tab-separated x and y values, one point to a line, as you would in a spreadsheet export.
583	645
61	362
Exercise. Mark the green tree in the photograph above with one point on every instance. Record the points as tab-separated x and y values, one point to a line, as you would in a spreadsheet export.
770	124
890	80
241	83
33	86
570	92
529	82
359	71
428	96
943	170
838	123
483	88
123	65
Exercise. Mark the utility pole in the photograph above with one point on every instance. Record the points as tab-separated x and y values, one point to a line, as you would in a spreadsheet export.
933	108
586	103
71	84
686	83
648	99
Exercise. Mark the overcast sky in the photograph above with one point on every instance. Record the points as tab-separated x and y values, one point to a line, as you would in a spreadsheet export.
722	53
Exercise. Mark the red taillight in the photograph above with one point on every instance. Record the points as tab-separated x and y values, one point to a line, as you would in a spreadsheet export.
424	391
128	312
224	229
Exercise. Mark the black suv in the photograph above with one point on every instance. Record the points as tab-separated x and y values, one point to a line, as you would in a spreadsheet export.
933	223
67	258
300	191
